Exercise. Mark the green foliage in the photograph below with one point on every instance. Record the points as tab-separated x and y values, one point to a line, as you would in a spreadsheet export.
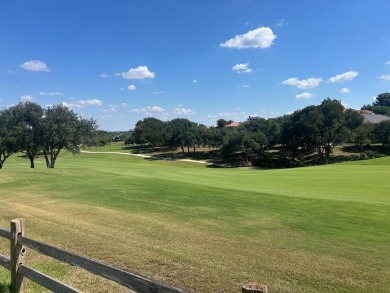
29	128
222	123
215	136
382	100
319	127
8	144
266	133
177	131
63	129
363	135
101	138
381	105
381	133
149	130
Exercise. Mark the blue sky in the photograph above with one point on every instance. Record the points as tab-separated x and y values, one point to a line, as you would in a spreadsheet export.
121	61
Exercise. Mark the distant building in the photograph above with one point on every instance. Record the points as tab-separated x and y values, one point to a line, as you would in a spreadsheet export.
374	118
233	124
253	118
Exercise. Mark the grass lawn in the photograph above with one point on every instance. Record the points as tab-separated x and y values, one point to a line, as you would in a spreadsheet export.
313	229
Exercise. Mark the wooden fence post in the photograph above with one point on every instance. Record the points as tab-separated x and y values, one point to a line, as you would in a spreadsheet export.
18	255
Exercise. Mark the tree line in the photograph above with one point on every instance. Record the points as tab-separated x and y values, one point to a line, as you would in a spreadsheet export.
315	129
31	129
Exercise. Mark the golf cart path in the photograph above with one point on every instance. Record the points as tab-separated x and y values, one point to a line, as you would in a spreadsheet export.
159	158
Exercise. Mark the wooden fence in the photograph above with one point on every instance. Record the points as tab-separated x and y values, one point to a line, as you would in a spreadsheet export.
20	271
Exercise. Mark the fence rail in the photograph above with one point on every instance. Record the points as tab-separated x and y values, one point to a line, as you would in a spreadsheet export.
19	270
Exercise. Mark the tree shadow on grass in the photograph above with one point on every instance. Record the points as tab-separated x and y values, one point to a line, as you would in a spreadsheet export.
5	287
146	149
380	149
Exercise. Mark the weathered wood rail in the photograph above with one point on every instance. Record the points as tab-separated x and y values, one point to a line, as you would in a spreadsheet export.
16	264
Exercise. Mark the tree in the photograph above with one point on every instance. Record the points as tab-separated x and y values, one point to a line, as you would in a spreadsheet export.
7	140
353	119
177	133
63	129
381	105
265	132
319	127
102	137
222	123
382	100
363	134
381	133
332	131
27	120
242	141
300	131
201	135
149	130
215	136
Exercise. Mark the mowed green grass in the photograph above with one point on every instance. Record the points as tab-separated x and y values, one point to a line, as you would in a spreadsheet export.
314	229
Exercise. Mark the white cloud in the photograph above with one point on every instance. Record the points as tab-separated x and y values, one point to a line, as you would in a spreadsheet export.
344	103
109	110
242	68
304	83
35	65
281	22
26	98
114	108
344	90
180	110
385	77
304	96
50	93
245	85
346	76
131	87
141	72
93	102
149	110
157	93
82	104
194	81
103	75
387	63
259	38
121	105
72	105
235	116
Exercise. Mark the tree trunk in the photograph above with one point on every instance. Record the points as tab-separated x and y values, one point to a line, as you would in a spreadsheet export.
3	157
2	160
32	165
188	148
46	159
194	149
53	157
328	150
53	161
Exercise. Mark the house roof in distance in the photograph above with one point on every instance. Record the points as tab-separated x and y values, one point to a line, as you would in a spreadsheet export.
374	118
233	124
